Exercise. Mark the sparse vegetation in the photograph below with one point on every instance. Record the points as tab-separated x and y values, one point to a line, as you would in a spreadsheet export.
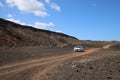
27	53
93	44
115	45
12	34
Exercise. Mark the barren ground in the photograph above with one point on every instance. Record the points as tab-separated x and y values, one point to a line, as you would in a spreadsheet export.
32	63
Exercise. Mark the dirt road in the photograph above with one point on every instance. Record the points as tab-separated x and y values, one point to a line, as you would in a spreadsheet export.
33	69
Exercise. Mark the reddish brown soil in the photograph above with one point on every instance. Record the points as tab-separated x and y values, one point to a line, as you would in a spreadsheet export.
34	68
100	65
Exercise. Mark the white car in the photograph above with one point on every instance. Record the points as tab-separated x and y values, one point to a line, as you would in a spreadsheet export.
78	48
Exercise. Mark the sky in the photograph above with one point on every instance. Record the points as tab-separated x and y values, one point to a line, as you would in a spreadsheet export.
83	19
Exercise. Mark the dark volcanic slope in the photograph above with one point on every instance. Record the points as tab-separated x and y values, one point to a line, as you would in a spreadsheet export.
12	34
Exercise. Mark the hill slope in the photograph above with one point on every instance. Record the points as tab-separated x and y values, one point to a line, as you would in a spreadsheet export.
13	34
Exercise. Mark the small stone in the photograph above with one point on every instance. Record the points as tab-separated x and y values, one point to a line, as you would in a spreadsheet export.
109	77
74	65
90	67
77	70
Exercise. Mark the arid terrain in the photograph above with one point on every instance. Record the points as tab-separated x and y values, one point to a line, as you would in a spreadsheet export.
100	65
62	64
27	53
13	34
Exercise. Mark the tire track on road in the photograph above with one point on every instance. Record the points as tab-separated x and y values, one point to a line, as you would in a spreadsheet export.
21	67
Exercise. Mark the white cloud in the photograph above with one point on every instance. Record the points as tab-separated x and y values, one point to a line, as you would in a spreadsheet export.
16	21
1	5
58	31
10	18
42	25
53	5
47	1
41	13
31	6
39	25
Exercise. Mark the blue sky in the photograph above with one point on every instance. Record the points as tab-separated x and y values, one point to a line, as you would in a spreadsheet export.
84	19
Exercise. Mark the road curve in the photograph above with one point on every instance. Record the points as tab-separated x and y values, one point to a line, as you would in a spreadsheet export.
8	71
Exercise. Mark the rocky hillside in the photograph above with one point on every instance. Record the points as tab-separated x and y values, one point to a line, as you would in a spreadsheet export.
13	34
